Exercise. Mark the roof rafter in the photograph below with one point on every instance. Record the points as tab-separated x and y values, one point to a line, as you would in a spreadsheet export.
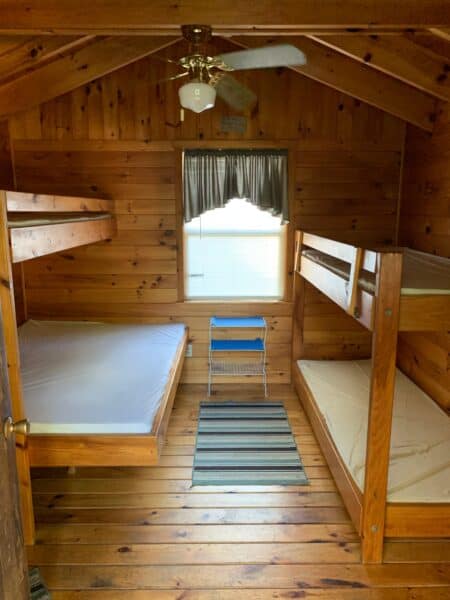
360	81
443	33
77	68
219	30
29	53
397	56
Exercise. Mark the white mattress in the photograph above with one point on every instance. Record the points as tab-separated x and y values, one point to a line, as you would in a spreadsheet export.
419	469
422	273
83	377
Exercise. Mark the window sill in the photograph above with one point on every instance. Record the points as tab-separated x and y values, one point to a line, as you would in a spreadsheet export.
236	301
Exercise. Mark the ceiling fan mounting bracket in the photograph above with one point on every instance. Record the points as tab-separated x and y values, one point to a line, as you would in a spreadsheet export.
197	34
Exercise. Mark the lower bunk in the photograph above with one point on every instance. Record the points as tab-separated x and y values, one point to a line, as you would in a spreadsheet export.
99	394
335	396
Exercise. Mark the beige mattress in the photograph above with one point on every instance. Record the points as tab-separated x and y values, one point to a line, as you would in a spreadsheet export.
422	273
419	468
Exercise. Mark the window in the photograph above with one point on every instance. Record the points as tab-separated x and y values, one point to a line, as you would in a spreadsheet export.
234	252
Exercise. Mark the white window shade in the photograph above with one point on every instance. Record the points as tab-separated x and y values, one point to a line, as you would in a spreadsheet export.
234	252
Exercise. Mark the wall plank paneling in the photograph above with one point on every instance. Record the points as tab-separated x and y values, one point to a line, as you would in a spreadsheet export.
425	225
6	167
119	137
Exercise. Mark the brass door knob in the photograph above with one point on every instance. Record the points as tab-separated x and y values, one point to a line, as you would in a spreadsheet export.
19	427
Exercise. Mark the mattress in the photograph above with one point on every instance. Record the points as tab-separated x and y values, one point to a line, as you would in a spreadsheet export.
422	273
94	378
419	467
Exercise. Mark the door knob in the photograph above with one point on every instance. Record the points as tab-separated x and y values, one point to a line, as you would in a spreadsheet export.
19	427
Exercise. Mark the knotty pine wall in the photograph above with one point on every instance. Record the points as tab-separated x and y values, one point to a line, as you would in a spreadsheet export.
6	168
115	138
425	225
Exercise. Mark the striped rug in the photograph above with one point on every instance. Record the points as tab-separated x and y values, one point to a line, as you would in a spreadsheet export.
246	443
38	589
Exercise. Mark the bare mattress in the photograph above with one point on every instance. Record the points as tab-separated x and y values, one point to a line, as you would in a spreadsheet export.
84	377
419	467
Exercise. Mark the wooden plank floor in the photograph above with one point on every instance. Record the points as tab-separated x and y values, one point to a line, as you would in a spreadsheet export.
145	533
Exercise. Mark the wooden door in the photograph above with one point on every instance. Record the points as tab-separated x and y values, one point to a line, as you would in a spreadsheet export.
13	567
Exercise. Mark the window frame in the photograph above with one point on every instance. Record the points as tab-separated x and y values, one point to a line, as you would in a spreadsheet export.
179	148
281	234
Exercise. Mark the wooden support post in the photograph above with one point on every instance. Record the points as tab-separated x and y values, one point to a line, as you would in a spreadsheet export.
299	300
12	356
179	207
384	350
353	282
290	233
298	250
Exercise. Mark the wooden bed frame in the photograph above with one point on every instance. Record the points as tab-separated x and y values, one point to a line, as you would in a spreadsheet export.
63	223
67	222
385	313
111	450
421	312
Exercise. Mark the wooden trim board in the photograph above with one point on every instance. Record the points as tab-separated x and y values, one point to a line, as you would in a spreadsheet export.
350	492
411	520
39	240
27	202
13	357
424	313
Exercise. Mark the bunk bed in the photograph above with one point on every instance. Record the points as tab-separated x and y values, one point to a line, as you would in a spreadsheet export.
393	485
57	368
39	224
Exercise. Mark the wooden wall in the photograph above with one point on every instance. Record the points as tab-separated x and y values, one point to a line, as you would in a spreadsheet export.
116	138
6	167
425	225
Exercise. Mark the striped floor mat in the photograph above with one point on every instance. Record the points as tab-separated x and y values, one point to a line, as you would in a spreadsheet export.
38	590
246	443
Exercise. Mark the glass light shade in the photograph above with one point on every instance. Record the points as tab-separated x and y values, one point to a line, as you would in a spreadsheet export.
197	96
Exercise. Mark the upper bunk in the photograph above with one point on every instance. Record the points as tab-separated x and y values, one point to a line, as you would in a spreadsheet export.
40	224
348	275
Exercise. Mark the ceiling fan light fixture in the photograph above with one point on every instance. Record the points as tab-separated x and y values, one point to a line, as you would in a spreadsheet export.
197	96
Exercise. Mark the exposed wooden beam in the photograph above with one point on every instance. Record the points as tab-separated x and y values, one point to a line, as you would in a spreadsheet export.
107	15
443	33
219	30
396	56
360	81
29	53
75	69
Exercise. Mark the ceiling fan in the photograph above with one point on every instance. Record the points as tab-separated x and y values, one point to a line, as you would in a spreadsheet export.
209	75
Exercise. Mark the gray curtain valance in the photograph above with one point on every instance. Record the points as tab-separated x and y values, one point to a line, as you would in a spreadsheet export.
213	177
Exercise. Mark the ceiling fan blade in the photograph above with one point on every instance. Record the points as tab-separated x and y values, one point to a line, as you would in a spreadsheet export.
234	93
283	55
169	78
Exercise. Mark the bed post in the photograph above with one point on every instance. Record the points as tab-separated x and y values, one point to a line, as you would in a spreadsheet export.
298	300
384	351
12	356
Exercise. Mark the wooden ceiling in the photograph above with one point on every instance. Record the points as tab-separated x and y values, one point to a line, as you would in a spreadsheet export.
392	55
